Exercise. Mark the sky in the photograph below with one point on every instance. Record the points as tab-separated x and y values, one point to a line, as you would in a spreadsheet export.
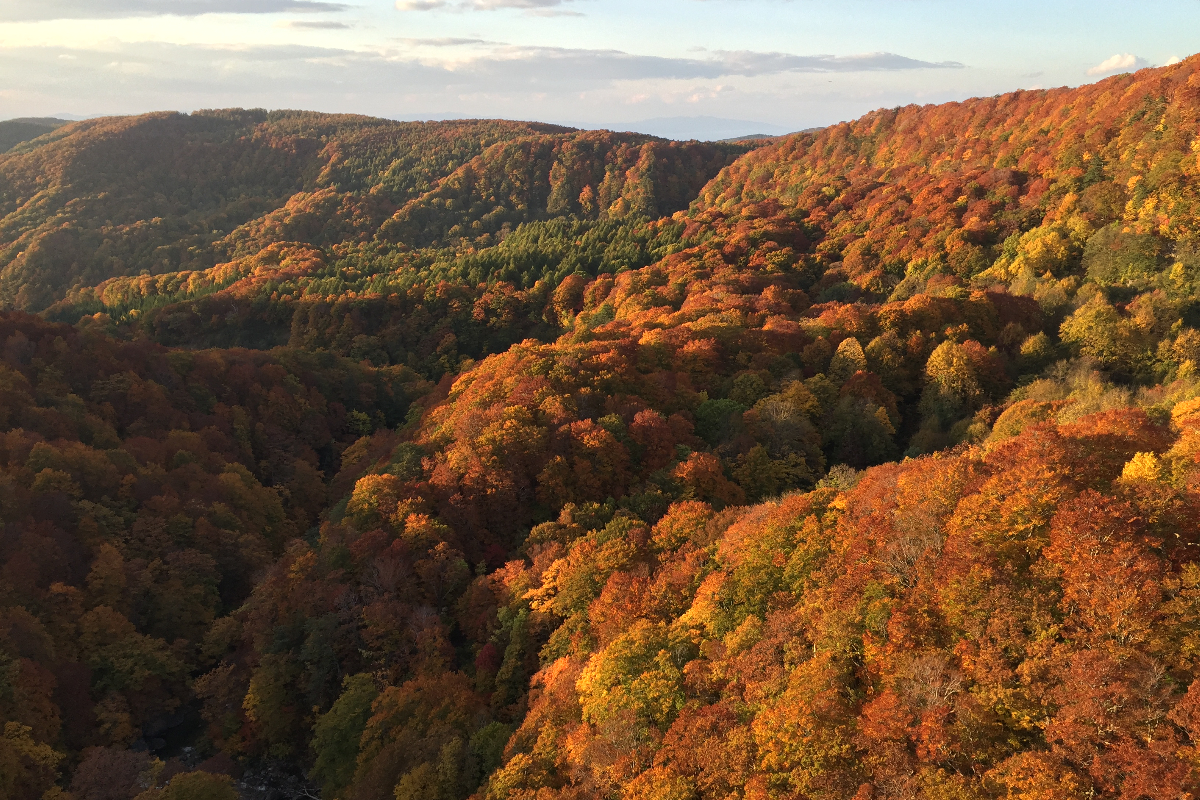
681	68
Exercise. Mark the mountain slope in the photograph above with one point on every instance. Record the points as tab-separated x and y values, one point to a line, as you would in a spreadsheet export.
156	193
1009	621
592	174
165	192
951	183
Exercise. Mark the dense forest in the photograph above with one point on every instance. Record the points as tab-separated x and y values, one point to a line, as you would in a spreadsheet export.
364	460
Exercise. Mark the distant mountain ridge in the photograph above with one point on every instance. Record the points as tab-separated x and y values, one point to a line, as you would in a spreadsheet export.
701	128
15	131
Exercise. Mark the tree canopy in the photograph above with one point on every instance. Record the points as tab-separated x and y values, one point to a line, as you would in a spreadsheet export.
372	460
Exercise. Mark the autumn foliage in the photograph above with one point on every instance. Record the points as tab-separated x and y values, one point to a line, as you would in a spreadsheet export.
505	461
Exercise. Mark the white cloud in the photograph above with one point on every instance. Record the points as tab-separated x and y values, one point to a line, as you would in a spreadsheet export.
445	41
540	7
1121	62
744	62
479	63
434	77
1172	61
489	4
41	10
313	25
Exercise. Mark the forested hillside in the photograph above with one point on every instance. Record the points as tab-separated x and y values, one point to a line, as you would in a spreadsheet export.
169	192
485	459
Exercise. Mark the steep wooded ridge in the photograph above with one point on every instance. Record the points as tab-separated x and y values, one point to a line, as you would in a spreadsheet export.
500	460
